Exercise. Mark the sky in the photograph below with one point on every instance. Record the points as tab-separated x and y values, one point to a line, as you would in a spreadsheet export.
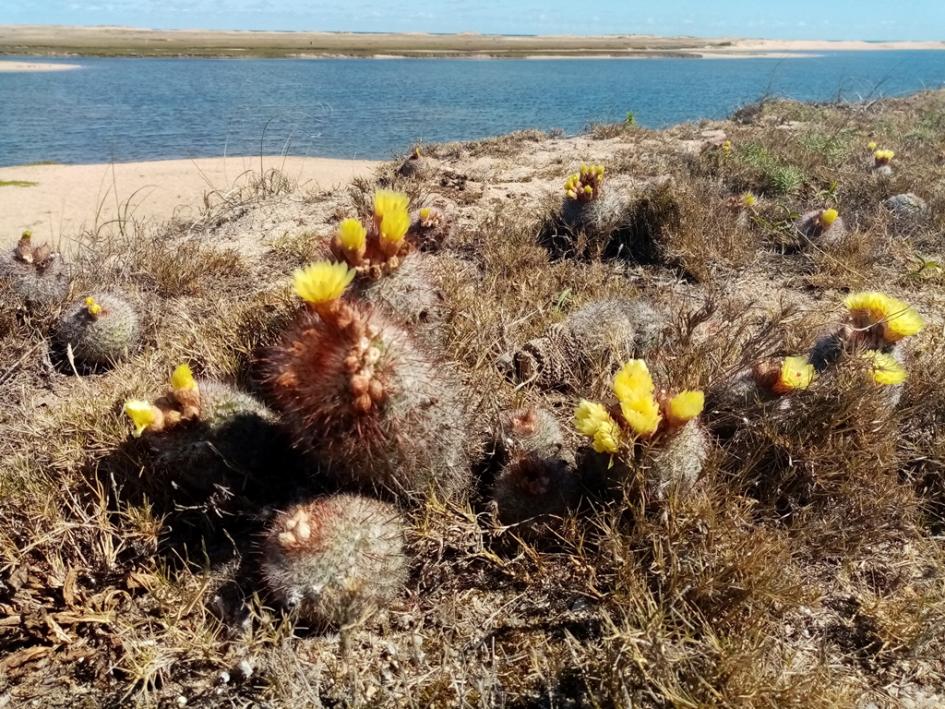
776	19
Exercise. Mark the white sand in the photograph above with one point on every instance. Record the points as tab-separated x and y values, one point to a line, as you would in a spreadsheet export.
10	66
69	198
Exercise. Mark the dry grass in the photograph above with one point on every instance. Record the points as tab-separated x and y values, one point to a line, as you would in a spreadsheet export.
805	570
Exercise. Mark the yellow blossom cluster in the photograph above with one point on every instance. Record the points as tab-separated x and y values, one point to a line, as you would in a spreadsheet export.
322	282
585	185
640	409
894	318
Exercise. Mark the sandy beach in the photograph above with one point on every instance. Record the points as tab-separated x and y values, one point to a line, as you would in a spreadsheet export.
68	198
11	67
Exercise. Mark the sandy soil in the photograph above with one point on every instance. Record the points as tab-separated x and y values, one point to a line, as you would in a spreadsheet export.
7	67
68	198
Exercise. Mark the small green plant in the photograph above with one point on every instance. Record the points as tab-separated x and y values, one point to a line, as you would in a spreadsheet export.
630	119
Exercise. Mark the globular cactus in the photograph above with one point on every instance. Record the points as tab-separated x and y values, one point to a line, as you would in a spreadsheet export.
360	394
662	427
101	329
205	435
875	321
764	382
823	227
601	333
908	213
379	248
882	160
336	559
35	273
430	229
537	475
677	461
416	165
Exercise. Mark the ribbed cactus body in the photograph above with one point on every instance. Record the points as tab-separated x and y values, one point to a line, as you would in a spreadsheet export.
102	339
42	286
597	218
372	405
335	559
675	461
604	332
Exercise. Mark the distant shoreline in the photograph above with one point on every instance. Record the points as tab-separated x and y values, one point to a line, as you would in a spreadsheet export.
129	42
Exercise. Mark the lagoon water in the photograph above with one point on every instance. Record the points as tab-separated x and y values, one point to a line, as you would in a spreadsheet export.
121	109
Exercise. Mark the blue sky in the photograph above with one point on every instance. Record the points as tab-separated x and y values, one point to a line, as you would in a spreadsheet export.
803	19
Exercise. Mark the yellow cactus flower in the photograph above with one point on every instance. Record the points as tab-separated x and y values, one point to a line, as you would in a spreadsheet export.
884	156
684	407
872	146
592	420
142	414
425	213
828	217
323	281
749	200
182	378
727	147
387	202
93	308
897	318
394	226
352	235
795	373
885	369
642	414
26	235
632	380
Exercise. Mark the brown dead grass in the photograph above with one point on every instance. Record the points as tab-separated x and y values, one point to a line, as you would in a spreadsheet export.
805	570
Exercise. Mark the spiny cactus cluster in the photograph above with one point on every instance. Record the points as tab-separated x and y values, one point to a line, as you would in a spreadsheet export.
101	329
537	475
378	248
663	426
335	559
359	393
882	160
585	185
430	229
36	273
600	334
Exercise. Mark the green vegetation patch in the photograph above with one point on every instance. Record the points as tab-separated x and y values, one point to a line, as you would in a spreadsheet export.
17	183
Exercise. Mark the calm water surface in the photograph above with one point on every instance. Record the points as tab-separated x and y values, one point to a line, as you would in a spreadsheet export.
144	109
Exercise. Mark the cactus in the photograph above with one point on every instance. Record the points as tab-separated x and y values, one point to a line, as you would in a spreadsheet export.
101	329
875	321
882	160
537	475
676	462
602	332
378	249
413	292
824	227
206	436
36	273
663	428
361	395
336	559
766	381
908	213
430	229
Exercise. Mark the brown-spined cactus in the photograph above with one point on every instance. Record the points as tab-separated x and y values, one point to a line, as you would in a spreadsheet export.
822	227
537	475
653	430
882	162
335	559
36	273
207	436
101	329
603	332
364	397
413	292
764	382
